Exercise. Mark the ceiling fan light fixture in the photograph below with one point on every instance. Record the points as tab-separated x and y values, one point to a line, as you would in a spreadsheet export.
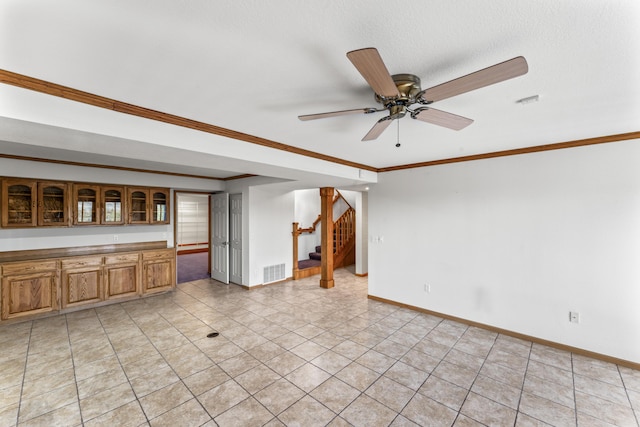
399	92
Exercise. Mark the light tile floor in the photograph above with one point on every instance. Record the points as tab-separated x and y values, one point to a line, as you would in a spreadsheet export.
294	354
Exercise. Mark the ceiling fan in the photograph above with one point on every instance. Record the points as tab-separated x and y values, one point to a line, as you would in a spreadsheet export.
399	93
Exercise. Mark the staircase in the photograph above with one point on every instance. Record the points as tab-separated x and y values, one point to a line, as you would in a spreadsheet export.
343	245
317	255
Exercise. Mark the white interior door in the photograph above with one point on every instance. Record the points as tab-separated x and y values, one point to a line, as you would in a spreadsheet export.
220	237
235	238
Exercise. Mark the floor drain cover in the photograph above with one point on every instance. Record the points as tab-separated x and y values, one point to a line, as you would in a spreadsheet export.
213	335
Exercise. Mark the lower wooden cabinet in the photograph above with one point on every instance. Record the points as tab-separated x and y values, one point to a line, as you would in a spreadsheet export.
81	281
32	288
29	288
121	281
121	276
158	270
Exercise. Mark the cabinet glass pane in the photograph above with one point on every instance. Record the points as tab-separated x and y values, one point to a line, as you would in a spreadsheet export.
53	205
87	206
20	204
138	206
159	207
112	206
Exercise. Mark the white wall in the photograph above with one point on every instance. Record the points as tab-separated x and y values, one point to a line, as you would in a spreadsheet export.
306	211
252	263
270	214
42	238
362	232
517	242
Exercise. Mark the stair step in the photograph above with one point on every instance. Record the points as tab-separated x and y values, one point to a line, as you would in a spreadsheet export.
315	255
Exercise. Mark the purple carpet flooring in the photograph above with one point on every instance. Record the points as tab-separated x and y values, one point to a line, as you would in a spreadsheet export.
192	267
308	263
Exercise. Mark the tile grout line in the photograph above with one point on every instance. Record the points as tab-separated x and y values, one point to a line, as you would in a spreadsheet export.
191	342
120	364
475	379
243	313
626	390
399	413
524	380
73	366
306	394
24	373
573	383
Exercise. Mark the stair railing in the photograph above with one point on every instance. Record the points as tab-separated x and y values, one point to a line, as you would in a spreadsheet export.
344	229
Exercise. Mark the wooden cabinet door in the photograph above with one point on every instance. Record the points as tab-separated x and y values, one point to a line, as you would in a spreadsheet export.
138	205
113	205
86	204
19	199
53	204
159	206
158	270
81	281
121	275
29	294
158	276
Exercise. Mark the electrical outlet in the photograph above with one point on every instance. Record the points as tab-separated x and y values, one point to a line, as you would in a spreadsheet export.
115	237
427	288
574	317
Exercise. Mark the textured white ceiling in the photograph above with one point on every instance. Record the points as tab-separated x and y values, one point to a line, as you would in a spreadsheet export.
254	66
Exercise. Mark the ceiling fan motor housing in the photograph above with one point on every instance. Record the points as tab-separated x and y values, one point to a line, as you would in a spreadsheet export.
408	87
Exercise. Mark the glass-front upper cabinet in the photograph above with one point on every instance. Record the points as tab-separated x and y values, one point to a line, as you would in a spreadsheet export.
86	203
138	199
148	205
160	206
113	207
19	203
53	205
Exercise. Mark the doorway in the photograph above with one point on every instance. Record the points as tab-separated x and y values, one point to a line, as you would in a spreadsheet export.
192	236
226	238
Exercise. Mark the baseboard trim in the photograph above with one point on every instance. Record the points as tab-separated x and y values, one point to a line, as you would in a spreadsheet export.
192	251
576	350
362	275
264	285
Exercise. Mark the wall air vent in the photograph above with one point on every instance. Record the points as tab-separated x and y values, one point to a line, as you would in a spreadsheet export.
273	273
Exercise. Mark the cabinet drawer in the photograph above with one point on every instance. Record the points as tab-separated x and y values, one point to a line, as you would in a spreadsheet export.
161	254
120	258
81	262
28	267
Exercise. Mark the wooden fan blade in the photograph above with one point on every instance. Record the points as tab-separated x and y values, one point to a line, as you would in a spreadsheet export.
442	118
337	113
495	74
369	63
377	129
